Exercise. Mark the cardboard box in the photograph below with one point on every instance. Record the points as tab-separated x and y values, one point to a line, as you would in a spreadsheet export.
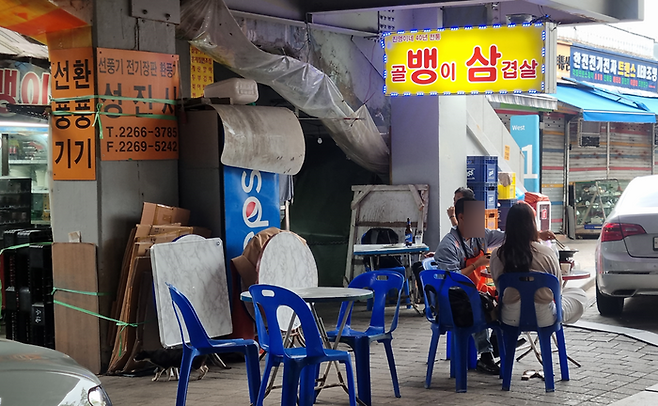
146	230
155	214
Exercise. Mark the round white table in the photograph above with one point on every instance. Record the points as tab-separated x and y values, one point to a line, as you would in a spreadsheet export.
323	294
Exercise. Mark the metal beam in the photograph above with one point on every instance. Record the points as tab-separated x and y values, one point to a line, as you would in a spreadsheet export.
589	10
320	6
609	11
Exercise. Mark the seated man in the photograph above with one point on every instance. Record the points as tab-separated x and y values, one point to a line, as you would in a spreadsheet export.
460	193
462	250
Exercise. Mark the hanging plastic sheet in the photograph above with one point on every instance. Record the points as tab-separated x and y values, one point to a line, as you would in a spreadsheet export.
209	26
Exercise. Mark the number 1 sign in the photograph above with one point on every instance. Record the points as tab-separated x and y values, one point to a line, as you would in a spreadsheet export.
525	131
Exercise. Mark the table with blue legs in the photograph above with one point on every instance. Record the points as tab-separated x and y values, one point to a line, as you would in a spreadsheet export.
380	250
313	295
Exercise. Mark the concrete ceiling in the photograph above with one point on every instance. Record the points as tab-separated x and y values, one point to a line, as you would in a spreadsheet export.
364	14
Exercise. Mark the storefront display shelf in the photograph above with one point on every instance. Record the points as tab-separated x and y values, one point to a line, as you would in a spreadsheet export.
594	200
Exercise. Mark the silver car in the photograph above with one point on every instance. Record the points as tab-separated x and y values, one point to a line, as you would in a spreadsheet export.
627	249
31	375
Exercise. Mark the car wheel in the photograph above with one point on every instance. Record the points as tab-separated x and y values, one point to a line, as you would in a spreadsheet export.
608	305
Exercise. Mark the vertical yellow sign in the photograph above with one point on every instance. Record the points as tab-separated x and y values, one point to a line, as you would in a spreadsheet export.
73	142
506	154
201	71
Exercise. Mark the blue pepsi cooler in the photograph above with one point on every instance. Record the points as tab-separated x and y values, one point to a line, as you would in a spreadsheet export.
503	209
486	192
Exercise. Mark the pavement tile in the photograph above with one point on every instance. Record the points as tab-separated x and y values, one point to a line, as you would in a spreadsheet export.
613	367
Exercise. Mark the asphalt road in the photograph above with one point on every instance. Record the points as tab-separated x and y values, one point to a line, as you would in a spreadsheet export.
639	312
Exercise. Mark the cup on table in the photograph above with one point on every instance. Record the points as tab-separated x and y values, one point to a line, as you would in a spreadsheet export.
565	267
418	238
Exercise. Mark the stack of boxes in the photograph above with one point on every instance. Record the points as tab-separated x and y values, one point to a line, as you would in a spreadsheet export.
482	179
506	196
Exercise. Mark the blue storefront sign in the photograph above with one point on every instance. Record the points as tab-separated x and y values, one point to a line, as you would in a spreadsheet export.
612	69
251	201
525	131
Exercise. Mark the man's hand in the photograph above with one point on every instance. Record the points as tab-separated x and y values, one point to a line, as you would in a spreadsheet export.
547	235
482	261
429	254
451	211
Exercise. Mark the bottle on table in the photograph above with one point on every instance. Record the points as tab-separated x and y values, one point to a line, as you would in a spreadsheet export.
408	234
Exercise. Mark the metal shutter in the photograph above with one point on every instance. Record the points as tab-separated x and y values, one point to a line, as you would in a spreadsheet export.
552	166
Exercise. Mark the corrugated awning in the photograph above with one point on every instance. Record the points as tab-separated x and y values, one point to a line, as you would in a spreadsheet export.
13	43
539	101
650	103
268	139
604	106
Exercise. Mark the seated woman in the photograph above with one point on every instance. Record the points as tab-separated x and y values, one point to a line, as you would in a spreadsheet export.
522	252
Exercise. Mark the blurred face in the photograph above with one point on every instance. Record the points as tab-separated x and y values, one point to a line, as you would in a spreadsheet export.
472	220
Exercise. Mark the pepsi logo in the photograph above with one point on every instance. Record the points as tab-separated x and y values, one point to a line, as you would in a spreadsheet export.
250	210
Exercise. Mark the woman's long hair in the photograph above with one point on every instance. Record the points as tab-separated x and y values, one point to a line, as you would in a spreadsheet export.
520	232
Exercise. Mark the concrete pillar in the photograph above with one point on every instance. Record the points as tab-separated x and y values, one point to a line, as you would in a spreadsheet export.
415	134
105	210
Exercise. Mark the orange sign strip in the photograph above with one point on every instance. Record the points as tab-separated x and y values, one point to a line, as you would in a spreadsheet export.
73	142
136	124
35	18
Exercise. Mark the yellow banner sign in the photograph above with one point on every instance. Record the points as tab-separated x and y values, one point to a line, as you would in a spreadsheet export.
470	60
201	71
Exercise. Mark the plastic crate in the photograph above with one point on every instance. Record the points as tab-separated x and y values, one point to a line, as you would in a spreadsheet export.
481	169
491	219
486	192
508	192
505	205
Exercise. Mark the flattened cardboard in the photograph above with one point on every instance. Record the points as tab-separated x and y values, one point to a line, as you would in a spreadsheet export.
155	214
125	338
77	334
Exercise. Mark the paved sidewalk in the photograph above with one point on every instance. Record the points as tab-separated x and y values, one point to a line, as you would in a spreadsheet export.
614	367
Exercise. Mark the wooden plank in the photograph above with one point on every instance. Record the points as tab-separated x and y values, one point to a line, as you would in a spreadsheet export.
386	206
77	334
361	195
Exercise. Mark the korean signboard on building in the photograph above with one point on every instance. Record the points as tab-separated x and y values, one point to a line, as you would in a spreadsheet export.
138	92
73	135
612	69
201	71
22	83
469	60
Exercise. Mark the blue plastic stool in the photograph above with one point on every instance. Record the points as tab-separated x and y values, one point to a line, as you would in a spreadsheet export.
382	282
201	344
301	363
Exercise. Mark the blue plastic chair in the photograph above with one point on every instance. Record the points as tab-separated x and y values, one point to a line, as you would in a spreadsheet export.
527	283
429	264
436	284
381	282
298	362
201	344
385	236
